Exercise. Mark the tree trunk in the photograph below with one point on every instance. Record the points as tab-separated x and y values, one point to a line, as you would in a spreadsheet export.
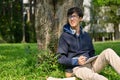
50	16
117	33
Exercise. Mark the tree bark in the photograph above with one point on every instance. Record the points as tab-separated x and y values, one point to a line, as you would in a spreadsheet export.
50	16
117	33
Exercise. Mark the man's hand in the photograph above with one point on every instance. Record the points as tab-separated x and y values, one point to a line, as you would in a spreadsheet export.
82	60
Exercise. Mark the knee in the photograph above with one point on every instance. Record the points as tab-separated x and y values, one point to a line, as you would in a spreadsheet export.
109	51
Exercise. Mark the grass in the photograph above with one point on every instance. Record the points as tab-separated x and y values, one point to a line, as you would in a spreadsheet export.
19	62
15	61
100	46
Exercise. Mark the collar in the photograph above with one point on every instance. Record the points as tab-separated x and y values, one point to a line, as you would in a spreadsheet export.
72	30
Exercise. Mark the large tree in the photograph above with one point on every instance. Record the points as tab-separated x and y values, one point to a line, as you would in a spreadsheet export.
50	17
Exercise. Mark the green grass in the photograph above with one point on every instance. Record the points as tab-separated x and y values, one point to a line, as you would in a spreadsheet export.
100	46
15	61
19	62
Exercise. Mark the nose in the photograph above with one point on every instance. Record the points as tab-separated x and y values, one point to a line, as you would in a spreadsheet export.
72	18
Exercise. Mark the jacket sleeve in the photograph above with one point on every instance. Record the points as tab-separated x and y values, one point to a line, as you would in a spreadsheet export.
65	60
62	59
63	53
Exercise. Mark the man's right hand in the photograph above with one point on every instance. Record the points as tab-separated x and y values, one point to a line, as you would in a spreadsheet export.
82	60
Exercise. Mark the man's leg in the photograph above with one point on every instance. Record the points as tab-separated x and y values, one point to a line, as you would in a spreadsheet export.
86	73
108	56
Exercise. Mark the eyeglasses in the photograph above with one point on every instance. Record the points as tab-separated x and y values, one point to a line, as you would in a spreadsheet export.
73	17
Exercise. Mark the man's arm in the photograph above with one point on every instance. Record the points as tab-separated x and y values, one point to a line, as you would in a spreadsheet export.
63	52
62	59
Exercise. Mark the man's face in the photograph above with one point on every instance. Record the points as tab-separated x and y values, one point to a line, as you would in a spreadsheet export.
74	20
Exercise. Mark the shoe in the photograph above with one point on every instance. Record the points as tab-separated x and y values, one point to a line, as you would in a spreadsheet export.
52	78
71	78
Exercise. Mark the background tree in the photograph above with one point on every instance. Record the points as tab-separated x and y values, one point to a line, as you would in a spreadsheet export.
10	22
110	15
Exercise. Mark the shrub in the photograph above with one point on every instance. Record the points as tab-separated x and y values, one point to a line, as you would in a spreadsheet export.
48	66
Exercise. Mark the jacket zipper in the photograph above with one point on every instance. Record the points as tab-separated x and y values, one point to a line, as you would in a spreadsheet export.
78	43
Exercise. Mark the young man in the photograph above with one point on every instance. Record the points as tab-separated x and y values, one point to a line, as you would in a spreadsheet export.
75	48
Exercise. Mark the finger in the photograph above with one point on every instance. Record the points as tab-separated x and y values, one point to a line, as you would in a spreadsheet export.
81	62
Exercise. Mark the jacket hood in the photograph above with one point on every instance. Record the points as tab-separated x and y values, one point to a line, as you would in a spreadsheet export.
67	28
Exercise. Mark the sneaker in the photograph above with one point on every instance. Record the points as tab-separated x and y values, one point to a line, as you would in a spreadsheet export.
71	78
52	78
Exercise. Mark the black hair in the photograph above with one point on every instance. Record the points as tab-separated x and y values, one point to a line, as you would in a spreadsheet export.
76	10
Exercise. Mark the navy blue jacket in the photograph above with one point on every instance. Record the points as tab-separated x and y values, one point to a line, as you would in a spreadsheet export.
72	46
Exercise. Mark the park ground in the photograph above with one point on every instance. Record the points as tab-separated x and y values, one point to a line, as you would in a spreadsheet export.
25	62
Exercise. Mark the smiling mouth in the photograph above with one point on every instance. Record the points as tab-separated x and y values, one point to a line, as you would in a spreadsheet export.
72	22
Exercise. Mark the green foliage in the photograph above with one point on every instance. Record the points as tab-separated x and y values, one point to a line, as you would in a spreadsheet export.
2	41
25	62
53	44
11	22
47	64
105	2
22	62
105	11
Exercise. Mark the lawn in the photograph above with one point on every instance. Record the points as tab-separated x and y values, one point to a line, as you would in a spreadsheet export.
20	62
